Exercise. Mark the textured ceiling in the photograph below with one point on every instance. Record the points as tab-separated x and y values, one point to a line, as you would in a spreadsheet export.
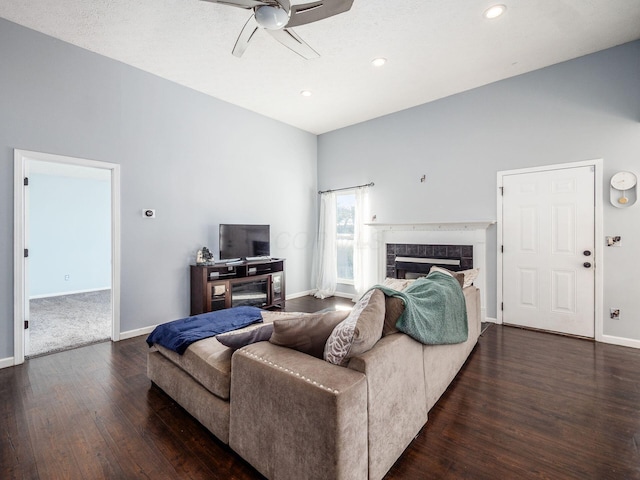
434	49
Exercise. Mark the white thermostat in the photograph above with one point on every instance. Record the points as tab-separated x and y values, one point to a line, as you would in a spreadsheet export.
149	213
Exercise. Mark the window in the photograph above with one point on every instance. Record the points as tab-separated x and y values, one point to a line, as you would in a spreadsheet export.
345	220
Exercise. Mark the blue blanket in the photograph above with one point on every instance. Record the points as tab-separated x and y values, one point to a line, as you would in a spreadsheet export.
435	310
179	334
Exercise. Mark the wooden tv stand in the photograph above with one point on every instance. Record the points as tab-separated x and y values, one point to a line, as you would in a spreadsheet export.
225	285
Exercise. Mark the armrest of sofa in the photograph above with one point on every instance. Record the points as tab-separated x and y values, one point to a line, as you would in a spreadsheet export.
397	402
296	416
472	301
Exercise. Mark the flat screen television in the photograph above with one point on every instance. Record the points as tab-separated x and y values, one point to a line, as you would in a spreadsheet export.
242	241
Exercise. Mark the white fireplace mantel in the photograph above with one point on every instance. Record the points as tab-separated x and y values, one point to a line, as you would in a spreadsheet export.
433	226
451	233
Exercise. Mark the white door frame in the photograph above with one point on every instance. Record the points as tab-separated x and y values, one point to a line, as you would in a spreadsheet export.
19	234
598	235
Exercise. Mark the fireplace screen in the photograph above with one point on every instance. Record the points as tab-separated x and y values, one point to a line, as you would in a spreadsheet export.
412	261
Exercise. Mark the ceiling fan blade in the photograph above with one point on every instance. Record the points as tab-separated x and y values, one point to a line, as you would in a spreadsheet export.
317	10
289	39
242	3
249	29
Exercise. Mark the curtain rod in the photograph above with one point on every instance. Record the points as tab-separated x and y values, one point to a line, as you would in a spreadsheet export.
346	188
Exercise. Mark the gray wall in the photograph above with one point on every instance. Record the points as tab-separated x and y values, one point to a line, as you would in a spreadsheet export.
69	234
197	160
187	155
579	110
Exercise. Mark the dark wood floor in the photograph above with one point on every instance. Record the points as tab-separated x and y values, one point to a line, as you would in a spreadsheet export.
526	405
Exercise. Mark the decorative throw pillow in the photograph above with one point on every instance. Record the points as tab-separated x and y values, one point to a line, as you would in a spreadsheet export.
397	283
393	308
469	276
359	332
457	275
237	340
307	333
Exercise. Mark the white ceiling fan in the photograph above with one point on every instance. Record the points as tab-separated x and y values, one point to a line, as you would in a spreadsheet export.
278	16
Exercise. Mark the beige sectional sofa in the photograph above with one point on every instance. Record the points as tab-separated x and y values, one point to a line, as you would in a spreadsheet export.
294	416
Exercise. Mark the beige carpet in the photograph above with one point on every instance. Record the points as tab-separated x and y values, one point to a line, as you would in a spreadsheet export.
68	321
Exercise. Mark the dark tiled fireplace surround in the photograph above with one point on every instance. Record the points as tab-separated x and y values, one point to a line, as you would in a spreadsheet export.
399	269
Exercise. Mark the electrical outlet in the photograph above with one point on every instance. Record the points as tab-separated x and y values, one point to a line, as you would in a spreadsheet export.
614	313
66	278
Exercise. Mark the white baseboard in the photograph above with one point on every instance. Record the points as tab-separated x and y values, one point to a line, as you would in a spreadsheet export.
350	296
137	332
490	320
7	362
61	294
610	339
621	341
299	294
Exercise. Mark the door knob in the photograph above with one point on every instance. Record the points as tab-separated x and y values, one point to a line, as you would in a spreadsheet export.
586	265
587	253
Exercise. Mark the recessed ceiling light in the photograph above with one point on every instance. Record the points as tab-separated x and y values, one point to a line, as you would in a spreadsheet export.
494	11
305	93
378	62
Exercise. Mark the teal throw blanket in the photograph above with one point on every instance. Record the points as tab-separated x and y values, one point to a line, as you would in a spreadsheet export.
435	310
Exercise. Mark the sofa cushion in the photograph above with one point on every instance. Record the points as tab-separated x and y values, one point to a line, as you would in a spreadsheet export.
459	276
393	308
307	333
208	409
209	362
241	338
359	332
397	283
469	276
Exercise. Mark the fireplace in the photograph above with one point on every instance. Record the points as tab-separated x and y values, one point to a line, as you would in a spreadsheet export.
413	240
408	260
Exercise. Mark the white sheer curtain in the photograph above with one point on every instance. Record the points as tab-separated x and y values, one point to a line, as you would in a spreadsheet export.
364	274
326	255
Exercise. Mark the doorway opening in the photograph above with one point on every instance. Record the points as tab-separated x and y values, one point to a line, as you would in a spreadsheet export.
67	253
63	322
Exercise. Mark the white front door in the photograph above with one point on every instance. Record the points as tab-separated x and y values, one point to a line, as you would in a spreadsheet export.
548	250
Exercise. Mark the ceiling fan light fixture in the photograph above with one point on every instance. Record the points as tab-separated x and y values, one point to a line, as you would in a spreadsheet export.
378	62
271	17
494	11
